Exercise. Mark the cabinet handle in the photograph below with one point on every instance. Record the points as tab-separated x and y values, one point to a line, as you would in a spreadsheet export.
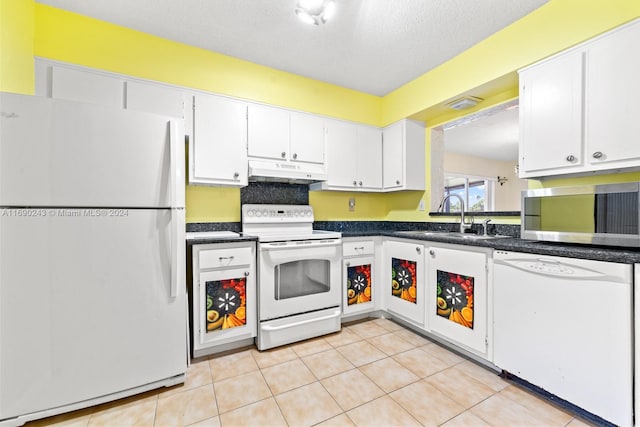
236	174
359	248
222	258
571	158
418	249
432	252
283	154
348	264
597	154
295	156
397	182
355	183
246	274
360	183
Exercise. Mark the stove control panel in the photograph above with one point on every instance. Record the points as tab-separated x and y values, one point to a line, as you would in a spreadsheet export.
256	214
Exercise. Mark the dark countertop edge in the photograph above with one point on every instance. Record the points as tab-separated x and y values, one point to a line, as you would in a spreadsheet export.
206	241
472	213
515	244
511	244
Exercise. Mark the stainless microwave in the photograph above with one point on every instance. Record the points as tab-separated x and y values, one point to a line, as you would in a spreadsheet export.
592	214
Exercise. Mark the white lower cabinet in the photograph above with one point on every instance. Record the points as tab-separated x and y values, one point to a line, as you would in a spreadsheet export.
359	292
403	281
457	295
223	296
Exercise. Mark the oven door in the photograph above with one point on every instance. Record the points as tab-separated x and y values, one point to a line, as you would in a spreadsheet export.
298	277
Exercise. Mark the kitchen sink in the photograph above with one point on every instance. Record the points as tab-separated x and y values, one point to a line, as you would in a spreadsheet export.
454	234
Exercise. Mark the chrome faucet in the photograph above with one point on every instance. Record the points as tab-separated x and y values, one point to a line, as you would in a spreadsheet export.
463	226
485	226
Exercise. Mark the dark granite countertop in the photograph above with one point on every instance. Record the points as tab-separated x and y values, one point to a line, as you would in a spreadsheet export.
394	229
515	244
208	240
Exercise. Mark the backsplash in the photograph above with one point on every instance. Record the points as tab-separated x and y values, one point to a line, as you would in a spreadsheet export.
274	193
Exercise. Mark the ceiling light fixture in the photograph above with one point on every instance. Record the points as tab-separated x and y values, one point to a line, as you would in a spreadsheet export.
464	103
315	12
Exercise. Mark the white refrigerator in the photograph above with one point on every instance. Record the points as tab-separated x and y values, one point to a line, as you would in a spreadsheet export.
92	255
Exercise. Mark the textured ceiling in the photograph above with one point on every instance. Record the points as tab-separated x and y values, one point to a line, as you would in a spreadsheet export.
491	134
373	46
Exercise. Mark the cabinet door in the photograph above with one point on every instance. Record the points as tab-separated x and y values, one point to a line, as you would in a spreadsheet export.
611	89
224	307
457	297
307	138
393	156
218	150
268	132
85	86
154	98
357	290
341	154
369	158
404	287
551	116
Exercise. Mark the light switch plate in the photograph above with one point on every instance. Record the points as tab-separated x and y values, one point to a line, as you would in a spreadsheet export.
352	204
421	205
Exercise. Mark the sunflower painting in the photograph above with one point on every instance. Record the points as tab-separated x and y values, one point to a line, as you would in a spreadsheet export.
403	279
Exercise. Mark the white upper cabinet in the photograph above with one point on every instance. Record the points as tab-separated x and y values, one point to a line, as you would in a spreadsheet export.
307	138
86	86
578	112
280	134
154	98
268	132
612	89
551	115
403	154
369	158
354	157
217	150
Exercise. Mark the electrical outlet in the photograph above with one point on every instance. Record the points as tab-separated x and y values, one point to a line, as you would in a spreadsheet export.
421	205
352	204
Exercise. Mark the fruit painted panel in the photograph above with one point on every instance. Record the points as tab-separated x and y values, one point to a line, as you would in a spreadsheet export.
226	303
358	284
455	297
403	279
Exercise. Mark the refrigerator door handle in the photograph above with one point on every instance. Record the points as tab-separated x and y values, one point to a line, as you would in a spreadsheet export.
173	163
178	251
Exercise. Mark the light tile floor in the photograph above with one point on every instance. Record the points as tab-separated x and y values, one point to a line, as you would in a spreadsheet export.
372	373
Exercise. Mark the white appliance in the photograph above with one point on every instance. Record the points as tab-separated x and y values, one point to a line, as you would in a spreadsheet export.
565	325
92	255
299	273
283	171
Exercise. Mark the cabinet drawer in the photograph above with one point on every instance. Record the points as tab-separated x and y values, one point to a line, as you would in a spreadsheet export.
357	248
225	258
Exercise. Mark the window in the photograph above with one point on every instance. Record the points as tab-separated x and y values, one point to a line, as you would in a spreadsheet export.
477	193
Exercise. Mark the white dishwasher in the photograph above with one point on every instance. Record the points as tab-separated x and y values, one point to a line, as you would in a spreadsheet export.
565	325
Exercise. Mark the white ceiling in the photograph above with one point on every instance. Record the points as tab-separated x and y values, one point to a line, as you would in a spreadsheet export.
373	46
491	134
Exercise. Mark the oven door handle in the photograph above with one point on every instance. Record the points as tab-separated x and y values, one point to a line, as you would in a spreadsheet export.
302	322
304	244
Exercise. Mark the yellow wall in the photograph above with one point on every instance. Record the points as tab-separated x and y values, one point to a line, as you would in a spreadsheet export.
16	46
491	64
553	27
77	39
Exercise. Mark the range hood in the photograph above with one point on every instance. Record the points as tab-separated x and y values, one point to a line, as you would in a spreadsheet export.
289	172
